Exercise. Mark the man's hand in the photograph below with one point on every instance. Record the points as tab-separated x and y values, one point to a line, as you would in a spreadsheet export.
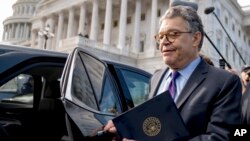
110	127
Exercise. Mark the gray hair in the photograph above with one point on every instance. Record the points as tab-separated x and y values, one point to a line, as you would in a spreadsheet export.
190	15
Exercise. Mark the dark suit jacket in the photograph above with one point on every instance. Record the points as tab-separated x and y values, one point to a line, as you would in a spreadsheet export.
209	102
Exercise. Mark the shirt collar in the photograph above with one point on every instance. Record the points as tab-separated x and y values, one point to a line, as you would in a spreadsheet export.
188	70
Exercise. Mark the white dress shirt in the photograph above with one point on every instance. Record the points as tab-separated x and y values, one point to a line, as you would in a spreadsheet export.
181	80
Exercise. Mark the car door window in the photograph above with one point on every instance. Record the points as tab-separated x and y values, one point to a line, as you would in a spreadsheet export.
18	90
91	85
107	100
137	84
95	70
82	90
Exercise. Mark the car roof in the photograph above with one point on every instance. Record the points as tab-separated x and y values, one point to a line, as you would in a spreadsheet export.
4	48
23	53
11	55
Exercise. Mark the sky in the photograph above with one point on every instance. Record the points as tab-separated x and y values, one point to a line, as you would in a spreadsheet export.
6	11
244	2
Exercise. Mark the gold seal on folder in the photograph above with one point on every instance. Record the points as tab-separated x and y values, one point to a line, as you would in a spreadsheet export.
151	126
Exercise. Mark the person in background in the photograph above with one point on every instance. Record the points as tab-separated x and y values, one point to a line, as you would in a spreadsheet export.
27	87
208	98
245	106
245	77
207	59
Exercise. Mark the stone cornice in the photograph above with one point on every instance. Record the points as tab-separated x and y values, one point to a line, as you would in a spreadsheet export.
11	20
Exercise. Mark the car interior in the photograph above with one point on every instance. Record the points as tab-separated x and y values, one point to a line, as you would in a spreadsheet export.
41	118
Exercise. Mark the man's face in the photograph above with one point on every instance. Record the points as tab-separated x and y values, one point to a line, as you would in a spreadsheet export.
184	48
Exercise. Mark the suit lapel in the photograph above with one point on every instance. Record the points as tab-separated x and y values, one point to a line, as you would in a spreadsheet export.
196	78
156	82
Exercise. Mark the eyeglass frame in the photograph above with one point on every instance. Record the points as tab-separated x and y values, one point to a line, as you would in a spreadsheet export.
166	36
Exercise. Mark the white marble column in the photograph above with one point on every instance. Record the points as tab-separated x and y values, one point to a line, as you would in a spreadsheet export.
137	31
153	25
17	34
70	23
82	19
21	30
33	38
59	28
30	11
13	31
122	25
26	10
9	32
26	30
4	32
94	20
108	22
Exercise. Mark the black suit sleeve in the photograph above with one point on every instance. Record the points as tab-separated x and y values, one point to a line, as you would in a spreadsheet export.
225	112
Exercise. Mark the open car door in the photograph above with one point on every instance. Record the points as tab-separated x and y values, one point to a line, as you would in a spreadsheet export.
89	94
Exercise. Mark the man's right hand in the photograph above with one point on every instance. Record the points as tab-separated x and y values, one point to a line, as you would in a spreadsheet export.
110	127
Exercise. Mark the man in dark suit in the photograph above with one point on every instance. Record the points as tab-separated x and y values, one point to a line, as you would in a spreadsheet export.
207	98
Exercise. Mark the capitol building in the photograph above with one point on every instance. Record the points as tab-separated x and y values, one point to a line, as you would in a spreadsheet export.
123	30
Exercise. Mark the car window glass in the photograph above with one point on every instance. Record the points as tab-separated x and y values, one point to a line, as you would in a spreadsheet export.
95	70
82	91
137	84
107	101
18	90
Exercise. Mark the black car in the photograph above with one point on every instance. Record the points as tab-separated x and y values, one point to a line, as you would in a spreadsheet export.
33	106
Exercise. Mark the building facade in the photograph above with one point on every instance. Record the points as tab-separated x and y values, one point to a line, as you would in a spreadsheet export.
123	30
17	28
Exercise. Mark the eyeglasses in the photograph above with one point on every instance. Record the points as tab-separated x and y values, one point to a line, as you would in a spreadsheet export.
170	36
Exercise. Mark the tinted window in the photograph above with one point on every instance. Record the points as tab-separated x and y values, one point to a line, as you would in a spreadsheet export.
107	100
18	90
95	70
92	86
137	84
82	90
